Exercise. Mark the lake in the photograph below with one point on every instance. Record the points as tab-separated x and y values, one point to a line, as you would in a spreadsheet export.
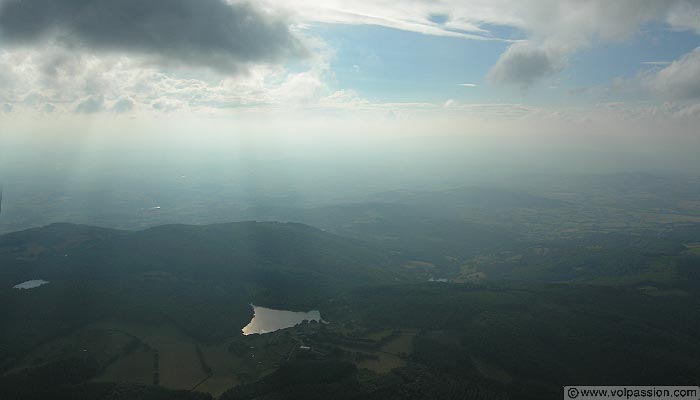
31	284
266	320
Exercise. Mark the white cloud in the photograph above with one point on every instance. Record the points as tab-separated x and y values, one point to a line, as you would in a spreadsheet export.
691	111
685	16
525	63
70	80
680	80
411	15
91	105
571	20
554	28
557	29
123	105
49	77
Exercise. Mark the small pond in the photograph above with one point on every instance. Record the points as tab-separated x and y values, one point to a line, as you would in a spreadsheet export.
31	284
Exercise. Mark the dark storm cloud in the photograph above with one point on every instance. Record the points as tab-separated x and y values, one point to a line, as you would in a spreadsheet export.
212	33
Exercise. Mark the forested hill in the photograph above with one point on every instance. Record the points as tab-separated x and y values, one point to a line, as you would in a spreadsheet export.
201	278
226	252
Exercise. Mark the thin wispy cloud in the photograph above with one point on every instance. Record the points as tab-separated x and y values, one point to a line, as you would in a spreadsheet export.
467	84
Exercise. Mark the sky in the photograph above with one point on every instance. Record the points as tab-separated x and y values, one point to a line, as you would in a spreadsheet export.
532	72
